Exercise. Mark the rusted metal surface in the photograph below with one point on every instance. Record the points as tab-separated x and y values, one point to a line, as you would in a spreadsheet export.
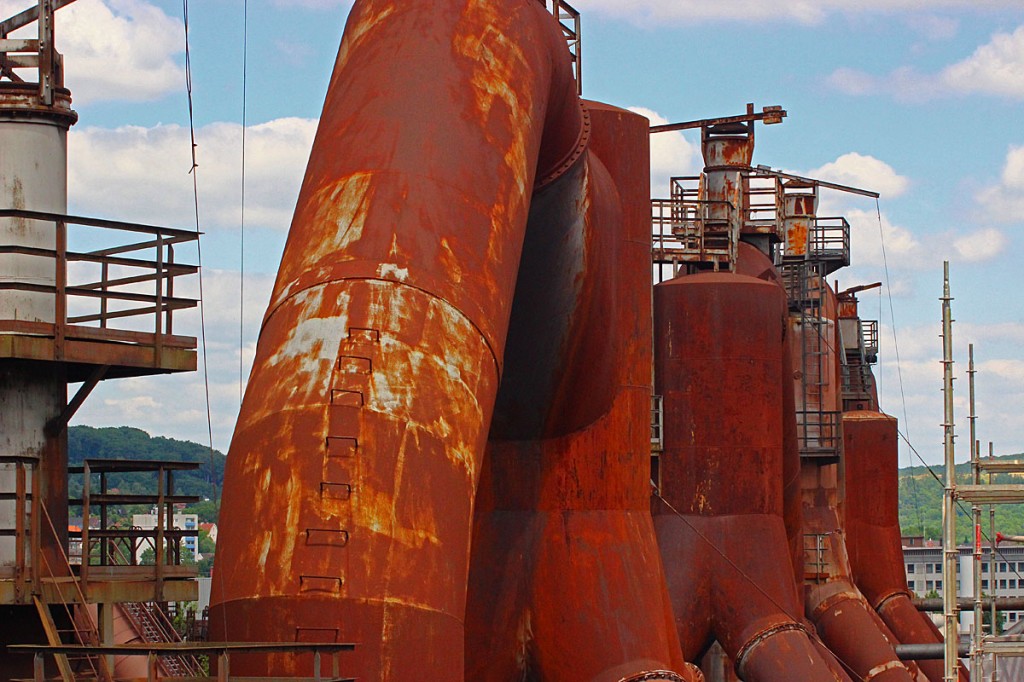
721	529
799	210
565	581
873	532
727	149
842	616
366	416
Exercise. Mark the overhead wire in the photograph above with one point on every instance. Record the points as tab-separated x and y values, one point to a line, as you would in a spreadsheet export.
241	240
899	367
193	171
961	507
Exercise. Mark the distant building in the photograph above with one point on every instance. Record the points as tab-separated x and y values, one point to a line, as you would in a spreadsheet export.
180	521
210	529
923	565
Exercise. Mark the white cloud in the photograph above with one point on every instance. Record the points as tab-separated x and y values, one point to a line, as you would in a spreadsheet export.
104	162
864	172
1004	202
996	68
866	242
313	4
933	27
981	245
671	154
852	81
115	49
175	405
799	11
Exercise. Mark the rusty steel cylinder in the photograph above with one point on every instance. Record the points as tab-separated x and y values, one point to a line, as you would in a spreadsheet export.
565	580
842	616
720	339
354	465
873	530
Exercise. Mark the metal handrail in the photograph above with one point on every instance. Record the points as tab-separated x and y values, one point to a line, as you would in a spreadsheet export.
123	267
869	336
568	18
829	239
818	431
657	422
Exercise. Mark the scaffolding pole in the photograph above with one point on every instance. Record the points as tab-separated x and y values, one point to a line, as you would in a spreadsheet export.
949	551
976	631
992	564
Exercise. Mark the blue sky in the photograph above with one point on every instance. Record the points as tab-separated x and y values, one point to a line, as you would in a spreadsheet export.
920	101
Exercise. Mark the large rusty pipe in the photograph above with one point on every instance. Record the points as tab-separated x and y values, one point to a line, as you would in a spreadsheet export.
565	581
718	364
354	464
842	616
873	533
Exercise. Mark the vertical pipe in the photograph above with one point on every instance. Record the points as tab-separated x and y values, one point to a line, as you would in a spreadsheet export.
992	565
33	176
949	552
976	522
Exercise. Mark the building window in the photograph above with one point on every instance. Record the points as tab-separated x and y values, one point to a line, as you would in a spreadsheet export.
1013	584
938	584
911	567
1002	584
929	585
984	584
1002	567
910	584
1013	616
984	566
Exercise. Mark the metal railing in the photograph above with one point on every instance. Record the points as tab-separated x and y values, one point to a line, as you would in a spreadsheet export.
869	338
819	433
657	423
37	54
816	564
829	241
569	20
683	233
120	547
128	275
22	476
222	651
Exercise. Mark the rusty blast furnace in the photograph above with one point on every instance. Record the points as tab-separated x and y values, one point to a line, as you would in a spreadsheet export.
453	285
443	454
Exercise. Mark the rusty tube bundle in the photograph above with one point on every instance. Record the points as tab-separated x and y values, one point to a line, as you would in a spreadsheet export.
720	516
873	532
842	616
451	136
565	579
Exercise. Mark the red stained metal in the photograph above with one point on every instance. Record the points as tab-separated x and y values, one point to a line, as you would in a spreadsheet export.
727	150
719	365
798	218
451	143
842	616
873	531
565	580
354	464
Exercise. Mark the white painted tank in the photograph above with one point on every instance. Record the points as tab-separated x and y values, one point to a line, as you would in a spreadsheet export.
33	176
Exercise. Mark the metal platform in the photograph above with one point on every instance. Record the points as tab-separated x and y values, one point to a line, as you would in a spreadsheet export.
113	298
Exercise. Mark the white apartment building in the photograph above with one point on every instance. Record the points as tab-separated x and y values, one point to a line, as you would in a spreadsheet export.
924	573
180	521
